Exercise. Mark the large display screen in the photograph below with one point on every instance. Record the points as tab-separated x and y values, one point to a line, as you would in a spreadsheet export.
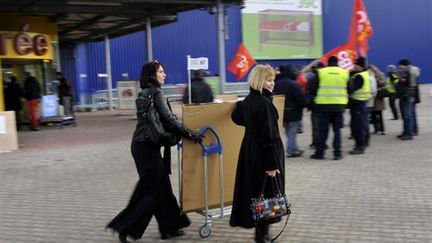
283	29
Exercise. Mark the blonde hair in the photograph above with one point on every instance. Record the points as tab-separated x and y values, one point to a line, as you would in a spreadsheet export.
259	75
378	74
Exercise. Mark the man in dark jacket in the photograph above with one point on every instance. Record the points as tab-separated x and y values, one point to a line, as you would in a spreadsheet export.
64	89
295	101
13	99
311	76
200	90
331	98
408	93
360	92
32	95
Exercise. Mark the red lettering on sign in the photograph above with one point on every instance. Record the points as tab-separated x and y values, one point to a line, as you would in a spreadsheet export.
40	45
23	43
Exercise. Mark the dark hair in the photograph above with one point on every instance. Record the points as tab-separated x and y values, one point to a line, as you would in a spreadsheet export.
13	79
198	73
318	65
148	74
361	61
333	60
404	62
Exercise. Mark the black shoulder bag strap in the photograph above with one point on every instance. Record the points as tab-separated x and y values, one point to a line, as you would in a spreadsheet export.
287	205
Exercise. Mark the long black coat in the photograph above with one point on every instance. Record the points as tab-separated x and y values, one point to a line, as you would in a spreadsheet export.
153	193
13	94
31	88
261	150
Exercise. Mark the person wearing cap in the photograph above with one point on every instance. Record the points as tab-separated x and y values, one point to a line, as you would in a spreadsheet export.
408	93
359	91
331	98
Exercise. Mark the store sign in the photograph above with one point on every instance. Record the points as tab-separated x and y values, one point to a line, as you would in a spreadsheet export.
25	45
127	92
197	63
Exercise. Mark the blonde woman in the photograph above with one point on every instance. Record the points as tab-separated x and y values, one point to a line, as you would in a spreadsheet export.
261	153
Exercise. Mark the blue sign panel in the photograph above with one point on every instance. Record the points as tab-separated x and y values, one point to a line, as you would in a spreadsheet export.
49	106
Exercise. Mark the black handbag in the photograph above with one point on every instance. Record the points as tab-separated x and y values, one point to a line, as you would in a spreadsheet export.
154	130
382	93
271	208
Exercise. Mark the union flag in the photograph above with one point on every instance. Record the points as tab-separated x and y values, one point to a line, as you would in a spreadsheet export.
361	28
241	63
345	53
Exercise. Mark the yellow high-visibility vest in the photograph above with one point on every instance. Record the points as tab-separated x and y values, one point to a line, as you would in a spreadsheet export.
332	88
364	93
389	85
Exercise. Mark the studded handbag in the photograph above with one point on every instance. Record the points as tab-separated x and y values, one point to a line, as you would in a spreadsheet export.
270	208
273	208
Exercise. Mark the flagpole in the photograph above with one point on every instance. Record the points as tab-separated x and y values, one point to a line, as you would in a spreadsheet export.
189	81
310	65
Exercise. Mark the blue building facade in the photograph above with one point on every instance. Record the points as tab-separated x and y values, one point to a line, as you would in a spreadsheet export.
401	30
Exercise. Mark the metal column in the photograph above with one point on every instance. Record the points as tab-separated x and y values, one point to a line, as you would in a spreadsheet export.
108	72
149	40
221	44
57	57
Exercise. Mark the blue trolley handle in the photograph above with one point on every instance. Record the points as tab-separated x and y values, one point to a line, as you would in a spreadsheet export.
213	148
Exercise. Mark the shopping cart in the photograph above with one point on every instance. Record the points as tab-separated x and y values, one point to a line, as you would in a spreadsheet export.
214	148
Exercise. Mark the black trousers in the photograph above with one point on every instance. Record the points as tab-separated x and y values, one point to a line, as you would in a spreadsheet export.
392	102
360	124
377	121
153	195
315	131
262	231
325	119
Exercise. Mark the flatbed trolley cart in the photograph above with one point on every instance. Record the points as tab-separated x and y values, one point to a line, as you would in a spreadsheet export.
205	230
68	113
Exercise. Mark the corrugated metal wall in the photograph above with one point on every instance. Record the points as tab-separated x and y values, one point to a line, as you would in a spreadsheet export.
402	30
68	68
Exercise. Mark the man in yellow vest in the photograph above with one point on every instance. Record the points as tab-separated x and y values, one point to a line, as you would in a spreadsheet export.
391	81
360	92
331	98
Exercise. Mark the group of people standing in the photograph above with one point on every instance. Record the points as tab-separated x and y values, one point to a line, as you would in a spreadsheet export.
31	92
331	90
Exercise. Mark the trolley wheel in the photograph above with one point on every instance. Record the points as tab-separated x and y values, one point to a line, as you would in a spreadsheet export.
205	231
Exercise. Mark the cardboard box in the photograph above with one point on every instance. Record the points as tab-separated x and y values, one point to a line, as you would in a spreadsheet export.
8	133
192	185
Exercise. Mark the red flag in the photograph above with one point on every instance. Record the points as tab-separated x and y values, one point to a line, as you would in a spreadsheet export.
241	63
361	28
346	55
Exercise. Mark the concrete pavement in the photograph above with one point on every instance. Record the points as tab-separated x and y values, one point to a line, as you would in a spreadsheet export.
64	185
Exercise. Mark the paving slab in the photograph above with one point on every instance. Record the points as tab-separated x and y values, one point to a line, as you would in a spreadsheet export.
64	185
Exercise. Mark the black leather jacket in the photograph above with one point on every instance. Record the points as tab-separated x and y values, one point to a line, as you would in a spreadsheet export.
161	103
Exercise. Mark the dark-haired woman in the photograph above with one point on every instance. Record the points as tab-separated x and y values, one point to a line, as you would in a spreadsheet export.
153	193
